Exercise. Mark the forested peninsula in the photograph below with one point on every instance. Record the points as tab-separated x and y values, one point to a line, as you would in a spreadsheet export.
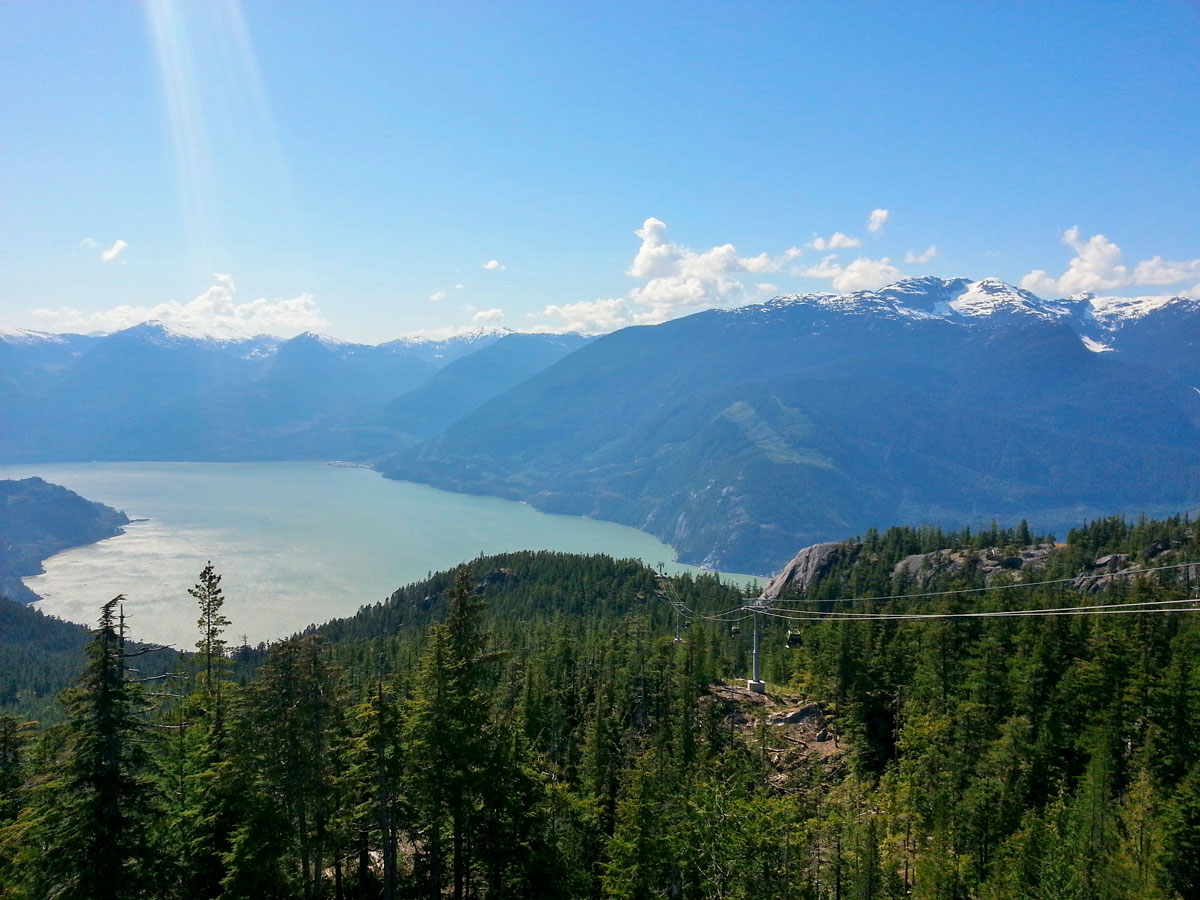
947	715
39	519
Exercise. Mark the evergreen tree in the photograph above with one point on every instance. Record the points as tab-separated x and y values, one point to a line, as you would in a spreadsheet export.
290	753
86	835
447	739
211	645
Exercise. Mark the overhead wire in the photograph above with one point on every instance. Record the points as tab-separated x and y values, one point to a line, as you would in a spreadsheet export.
1144	607
690	613
1116	609
994	613
995	587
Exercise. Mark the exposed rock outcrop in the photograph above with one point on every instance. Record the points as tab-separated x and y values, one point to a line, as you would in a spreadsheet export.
809	713
990	562
806	567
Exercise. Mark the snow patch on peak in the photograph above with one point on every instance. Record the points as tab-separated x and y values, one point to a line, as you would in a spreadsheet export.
430	336
324	340
1095	346
161	332
1112	311
991	296
27	336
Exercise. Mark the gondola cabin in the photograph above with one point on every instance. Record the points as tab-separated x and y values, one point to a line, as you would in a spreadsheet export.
794	641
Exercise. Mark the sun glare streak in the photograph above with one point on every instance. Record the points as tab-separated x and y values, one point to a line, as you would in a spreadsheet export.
222	131
185	118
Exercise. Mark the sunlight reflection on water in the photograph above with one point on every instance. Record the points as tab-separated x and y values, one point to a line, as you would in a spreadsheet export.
295	543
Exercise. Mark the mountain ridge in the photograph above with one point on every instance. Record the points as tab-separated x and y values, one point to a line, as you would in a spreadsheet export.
734	434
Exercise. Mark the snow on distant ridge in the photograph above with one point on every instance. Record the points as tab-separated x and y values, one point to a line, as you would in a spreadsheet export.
1108	310
27	336
991	296
440	335
961	298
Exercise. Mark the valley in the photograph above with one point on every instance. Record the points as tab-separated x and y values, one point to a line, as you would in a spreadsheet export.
731	435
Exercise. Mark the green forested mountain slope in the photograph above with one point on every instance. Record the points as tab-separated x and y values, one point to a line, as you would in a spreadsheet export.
527	727
37	520
40	655
738	435
465	383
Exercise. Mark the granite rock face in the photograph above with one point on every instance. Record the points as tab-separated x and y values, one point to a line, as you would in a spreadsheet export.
806	567
990	562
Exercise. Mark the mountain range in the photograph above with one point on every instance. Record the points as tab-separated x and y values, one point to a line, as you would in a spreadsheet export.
734	435
153	393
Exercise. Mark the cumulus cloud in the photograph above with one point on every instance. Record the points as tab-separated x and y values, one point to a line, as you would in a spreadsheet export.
90	244
438	296
1157	270
216	311
863	274
494	265
1099	265
487	316
836	241
114	251
877	220
679	279
930	253
588	316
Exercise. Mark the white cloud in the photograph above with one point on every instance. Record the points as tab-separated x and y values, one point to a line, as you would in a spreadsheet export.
1160	271
863	274
90	244
215	311
459	287
494	265
1099	265
114	251
485	316
877	220
760	263
438	296
679	279
836	241
925	257
588	316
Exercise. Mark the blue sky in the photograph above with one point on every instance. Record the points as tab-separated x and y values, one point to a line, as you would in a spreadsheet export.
355	168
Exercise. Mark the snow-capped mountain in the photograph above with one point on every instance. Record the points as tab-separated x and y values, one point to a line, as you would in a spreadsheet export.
158	391
736	435
962	300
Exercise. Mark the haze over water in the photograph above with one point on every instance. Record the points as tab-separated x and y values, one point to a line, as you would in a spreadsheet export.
295	542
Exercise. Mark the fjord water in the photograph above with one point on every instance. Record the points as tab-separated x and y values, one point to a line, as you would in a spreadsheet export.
295	542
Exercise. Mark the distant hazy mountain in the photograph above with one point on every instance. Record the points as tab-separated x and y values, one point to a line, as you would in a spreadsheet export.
151	392
469	381
738	435
442	351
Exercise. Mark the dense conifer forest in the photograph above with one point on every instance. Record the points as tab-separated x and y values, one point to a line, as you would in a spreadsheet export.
528	726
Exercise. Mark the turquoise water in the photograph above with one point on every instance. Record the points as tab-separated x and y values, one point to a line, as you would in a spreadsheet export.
295	542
